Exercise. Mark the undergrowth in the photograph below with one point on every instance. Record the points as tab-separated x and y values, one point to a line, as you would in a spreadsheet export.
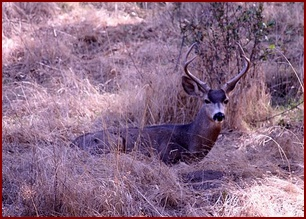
72	68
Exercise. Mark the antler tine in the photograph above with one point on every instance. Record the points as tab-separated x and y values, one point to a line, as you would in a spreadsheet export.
194	78
230	85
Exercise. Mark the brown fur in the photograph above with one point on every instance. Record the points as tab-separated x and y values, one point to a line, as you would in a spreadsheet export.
186	142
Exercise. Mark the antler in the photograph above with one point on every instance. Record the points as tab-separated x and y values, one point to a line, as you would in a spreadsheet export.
191	76
230	85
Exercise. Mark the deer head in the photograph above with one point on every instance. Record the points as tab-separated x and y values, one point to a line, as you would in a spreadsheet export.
214	99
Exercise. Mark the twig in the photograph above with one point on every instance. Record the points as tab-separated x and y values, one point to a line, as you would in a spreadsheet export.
293	70
137	69
159	214
291	108
179	56
36	211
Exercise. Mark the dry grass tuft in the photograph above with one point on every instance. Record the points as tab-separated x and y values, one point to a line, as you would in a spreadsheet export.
71	68
274	197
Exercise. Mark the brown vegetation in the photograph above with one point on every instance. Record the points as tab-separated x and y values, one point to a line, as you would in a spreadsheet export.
71	68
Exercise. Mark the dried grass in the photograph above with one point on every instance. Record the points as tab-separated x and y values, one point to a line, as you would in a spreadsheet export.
117	69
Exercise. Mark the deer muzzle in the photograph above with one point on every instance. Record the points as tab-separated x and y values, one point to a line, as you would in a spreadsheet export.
219	117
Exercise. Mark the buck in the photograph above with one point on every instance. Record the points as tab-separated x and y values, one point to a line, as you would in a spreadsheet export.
172	142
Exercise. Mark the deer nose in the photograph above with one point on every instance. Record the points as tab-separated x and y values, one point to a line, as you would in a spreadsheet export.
219	116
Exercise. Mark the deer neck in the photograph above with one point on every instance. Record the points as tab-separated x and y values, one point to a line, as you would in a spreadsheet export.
203	132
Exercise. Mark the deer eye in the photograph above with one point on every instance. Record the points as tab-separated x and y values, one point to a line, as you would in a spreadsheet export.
225	101
207	101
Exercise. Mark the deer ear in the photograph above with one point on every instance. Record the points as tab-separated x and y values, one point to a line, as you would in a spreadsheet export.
191	87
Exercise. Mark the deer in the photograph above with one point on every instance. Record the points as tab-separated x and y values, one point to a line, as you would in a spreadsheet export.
172	142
